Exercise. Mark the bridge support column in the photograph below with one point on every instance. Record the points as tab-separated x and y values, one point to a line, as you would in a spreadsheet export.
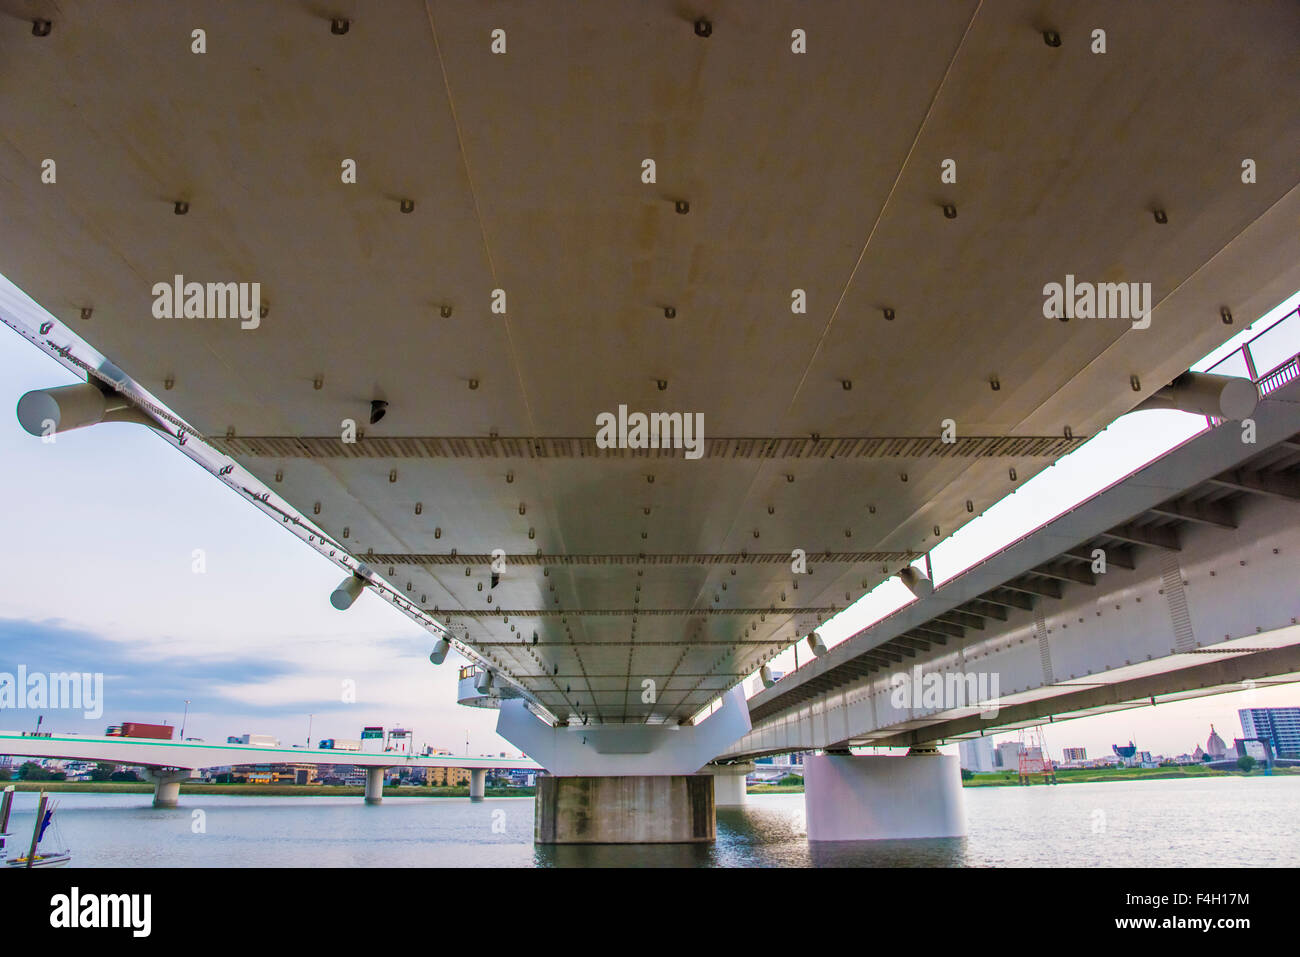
658	809
871	798
477	783
375	785
166	785
729	783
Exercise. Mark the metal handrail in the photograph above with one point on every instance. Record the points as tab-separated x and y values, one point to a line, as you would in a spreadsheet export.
1270	380
1285	371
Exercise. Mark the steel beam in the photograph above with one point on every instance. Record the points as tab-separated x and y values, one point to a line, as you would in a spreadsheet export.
1259	483
1162	538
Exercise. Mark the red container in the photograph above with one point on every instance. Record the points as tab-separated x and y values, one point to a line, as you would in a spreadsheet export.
132	729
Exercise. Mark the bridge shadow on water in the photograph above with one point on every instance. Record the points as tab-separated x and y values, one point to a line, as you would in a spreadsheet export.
759	837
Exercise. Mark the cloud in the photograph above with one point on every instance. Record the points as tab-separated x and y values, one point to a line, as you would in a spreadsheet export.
231	693
133	682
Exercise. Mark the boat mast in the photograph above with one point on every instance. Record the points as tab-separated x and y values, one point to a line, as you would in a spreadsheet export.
36	831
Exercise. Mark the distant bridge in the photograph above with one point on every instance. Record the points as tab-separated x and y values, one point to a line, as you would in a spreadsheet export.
167	763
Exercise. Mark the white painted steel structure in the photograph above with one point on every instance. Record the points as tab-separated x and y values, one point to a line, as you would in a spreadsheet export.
777	172
613	749
1200	595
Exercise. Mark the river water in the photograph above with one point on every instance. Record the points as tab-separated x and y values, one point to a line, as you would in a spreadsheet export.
1209	822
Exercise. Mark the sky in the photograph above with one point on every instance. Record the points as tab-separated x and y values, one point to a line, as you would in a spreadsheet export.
103	524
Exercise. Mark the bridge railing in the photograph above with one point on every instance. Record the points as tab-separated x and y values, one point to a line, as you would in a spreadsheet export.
1275	350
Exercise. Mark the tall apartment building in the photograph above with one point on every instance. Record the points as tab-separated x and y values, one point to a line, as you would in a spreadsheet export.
1280	727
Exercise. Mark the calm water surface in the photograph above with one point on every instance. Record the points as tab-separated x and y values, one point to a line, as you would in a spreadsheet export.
1200	822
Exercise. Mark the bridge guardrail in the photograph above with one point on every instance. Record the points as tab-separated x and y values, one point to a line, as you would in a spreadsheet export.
1272	348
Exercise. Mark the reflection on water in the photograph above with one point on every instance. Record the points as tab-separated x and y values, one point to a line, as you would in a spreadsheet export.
774	835
622	855
935	852
1195	822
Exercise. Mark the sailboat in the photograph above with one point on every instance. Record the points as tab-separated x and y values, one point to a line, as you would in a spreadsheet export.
35	856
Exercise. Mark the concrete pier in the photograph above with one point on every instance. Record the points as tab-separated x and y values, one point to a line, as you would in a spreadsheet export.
875	797
375	785
477	783
729	783
166	785
659	809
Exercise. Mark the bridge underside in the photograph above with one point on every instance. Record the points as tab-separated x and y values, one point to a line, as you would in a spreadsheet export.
843	247
780	177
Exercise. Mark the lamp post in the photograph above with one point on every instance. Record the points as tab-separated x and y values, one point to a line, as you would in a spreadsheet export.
309	717
184	718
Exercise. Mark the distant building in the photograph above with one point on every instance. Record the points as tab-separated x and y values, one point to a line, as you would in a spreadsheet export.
302	773
977	755
278	773
348	774
261	774
1280	727
1125	754
399	740
778	765
446	777
80	770
1215	747
1007	756
1075	754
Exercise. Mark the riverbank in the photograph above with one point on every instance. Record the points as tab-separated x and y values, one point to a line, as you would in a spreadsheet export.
1074	776
1097	775
259	790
